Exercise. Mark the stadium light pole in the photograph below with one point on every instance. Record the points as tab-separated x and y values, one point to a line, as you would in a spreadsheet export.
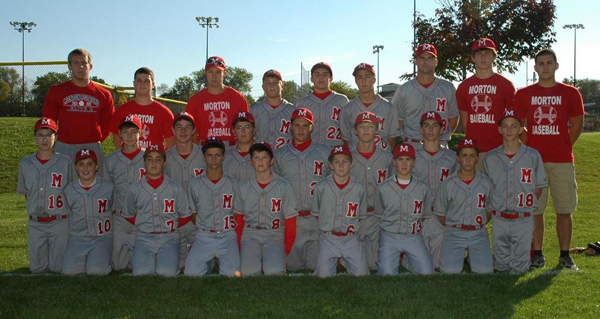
414	46
574	27
376	49
22	27
207	22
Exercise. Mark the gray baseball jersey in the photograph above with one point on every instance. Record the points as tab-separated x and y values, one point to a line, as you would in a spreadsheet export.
237	165
464	204
412	99
91	214
156	210
122	173
327	115
273	124
402	210
339	209
515	179
371	172
385	112
265	208
434	169
183	171
213	203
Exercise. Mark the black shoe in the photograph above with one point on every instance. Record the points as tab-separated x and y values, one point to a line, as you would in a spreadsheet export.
537	261
567	262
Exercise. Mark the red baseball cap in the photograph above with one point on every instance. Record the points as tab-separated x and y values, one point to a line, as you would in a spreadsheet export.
45	122
404	150
426	48
322	65
215	62
133	119
340	149
466	143
483	43
366	116
155	148
510	113
273	73
431	115
86	153
303	113
183	116
364	66
243	116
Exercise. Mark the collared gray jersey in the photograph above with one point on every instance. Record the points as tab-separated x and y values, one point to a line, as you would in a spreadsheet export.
372	172
213	203
464	204
266	208
383	110
515	179
273	125
327	114
303	169
237	165
122	173
156	210
43	184
183	171
433	170
90	209
401	211
339	209
412	99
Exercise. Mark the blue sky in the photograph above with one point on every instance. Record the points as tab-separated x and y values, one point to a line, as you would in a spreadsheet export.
257	35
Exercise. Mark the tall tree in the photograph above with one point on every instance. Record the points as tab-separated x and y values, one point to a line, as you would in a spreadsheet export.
43	83
344	88
590	91
182	90
519	28
235	77
10	92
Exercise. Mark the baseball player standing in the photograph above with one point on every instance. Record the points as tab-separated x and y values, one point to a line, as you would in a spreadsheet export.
401	204
155	116
368	100
425	93
326	106
554	119
518	176
272	114
123	168
82	109
339	204
482	99
461	205
371	167
433	165
215	106
42	178
89	201
211	198
302	164
268	205
237	159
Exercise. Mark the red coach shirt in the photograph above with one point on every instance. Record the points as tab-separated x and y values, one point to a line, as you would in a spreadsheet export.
214	113
548	111
156	119
83	114
485	101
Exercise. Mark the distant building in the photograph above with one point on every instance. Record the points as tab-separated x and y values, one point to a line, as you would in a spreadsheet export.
387	90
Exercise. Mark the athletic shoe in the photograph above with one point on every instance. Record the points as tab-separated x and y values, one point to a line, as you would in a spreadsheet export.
537	261
568	262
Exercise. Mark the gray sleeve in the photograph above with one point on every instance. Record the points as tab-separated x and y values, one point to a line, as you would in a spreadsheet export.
21	187
289	209
378	202
452	104
129	209
362	213
238	203
393	128
541	180
441	200
399	104
183	206
427	202
316	202
346	123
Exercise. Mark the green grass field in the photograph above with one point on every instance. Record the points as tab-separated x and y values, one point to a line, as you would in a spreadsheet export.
545	293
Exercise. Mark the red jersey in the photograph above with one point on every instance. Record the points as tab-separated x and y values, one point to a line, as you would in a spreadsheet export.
485	101
156	120
83	114
214	113
547	112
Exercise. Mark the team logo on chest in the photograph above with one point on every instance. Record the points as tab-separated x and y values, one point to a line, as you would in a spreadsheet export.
285	125
335	114
480	200
142	172
102	203
275	205
381	175
441	105
444	172
418	207
227	199
318	168
198	171
526	175
81	103
352	210
56	180
169	205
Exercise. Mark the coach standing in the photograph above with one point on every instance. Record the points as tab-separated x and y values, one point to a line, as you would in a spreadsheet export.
82	108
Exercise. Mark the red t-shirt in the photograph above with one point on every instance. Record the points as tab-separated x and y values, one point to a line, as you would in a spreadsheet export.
156	121
547	112
83	114
485	101
214	113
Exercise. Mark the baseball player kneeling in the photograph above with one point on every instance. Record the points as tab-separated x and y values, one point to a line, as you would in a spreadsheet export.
211	198
518	175
340	201
157	205
461	204
402	203
266	205
89	199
